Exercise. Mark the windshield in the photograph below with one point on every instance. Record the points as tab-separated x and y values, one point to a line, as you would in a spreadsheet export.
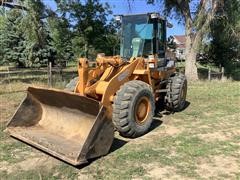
136	33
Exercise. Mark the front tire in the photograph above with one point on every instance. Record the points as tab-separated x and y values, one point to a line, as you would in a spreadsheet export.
133	109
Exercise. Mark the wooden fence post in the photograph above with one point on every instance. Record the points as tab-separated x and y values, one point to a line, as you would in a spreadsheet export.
61	73
222	71
50	74
209	74
9	77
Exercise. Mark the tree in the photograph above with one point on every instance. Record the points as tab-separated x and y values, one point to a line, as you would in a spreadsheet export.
225	36
39	47
61	36
35	34
12	39
91	32
2	26
25	37
196	25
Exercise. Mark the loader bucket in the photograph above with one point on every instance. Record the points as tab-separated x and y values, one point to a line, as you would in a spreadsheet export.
66	125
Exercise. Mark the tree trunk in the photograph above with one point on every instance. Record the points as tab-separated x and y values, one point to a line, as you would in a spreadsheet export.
191	55
191	67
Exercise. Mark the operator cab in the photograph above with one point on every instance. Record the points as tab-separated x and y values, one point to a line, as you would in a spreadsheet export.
142	35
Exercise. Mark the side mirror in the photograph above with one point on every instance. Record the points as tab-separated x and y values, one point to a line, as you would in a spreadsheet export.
118	18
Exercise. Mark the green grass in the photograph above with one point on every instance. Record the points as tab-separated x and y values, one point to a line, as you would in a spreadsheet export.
8	152
207	129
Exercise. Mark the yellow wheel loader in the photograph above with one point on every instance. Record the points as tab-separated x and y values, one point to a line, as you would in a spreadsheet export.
120	93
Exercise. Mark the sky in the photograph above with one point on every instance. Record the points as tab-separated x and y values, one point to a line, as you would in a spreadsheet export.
137	6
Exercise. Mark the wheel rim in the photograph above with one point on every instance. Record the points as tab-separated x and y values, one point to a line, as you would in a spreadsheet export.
142	110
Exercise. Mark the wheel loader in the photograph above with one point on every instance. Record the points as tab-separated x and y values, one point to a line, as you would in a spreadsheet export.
119	93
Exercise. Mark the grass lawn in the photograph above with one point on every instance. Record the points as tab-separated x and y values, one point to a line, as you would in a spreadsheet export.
201	142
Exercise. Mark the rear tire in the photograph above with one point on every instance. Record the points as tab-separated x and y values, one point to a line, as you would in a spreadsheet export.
72	84
177	92
133	109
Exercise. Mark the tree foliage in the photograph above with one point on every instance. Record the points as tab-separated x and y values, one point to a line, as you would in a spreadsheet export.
36	34
225	34
61	36
24	36
12	39
225	37
91	31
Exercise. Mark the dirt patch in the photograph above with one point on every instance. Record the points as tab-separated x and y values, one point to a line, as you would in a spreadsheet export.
84	177
172	131
208	114
218	166
220	136
156	171
161	131
225	135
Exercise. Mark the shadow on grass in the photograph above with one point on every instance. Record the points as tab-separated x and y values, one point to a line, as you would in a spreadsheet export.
187	104
156	123
162	110
118	142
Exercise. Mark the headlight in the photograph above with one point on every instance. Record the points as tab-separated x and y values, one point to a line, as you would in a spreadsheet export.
151	65
151	57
